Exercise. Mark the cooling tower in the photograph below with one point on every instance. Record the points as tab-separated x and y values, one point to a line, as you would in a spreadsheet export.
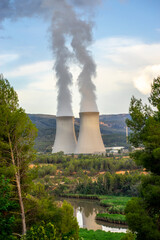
65	139
90	140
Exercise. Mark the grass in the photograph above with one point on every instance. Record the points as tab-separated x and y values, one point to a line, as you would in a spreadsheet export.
108	201
83	196
119	209
99	235
114	204
115	218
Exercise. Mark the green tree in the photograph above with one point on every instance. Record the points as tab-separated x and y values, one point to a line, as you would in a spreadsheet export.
69	226
45	231
17	134
143	213
7	205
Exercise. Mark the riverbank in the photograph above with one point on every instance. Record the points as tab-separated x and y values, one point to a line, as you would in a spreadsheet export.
113	207
80	196
112	218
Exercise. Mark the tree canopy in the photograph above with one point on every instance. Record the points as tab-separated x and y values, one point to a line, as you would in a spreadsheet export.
17	134
143	213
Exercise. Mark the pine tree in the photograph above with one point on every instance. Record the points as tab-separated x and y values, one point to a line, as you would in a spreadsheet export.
17	134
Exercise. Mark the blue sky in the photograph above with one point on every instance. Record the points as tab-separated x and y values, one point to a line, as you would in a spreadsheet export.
126	50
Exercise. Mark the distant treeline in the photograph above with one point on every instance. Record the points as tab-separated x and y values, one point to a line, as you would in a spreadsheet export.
69	164
89	174
111	184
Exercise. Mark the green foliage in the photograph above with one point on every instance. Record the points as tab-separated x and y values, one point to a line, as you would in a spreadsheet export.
17	133
145	126
68	225
45	231
117	184
7	205
116	218
140	222
114	200
143	214
17	136
88	163
155	94
84	168
99	235
46	209
46	170
116	209
129	236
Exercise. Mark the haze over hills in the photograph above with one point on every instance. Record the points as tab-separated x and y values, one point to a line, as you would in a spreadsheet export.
113	129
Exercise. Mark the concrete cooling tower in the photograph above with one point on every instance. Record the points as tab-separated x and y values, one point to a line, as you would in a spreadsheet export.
65	139
90	140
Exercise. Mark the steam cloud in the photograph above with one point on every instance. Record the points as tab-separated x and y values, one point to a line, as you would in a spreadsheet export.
66	24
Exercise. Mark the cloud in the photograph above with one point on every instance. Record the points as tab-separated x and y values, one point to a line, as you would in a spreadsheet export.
31	69
130	60
6	58
125	67
127	52
145	78
37	101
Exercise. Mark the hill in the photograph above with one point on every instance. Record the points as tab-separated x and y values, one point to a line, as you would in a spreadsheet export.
113	129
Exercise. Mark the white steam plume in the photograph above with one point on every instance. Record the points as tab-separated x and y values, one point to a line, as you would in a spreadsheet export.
65	22
62	54
82	38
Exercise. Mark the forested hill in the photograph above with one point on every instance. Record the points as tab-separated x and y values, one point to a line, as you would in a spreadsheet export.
113	129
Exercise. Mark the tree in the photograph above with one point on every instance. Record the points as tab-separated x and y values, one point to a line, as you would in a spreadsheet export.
68	226
17	134
6	207
45	231
143	213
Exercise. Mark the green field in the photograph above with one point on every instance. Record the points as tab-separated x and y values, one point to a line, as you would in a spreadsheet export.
119	209
115	206
115	218
99	235
108	201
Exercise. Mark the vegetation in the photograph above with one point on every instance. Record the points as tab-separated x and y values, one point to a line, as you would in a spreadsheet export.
143	213
116	209
27	208
111	201
114	204
24	202
16	140
114	218
99	235
6	206
90	175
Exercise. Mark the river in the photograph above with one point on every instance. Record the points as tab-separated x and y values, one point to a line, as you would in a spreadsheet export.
85	211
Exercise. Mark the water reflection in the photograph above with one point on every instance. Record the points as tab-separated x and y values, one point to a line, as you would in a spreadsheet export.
85	211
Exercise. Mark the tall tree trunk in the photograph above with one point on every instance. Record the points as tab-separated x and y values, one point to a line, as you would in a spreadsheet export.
18	188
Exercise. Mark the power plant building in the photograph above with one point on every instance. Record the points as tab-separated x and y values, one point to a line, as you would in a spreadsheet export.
89	140
65	139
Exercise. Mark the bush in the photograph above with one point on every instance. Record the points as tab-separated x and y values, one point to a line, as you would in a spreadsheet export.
45	231
47	170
